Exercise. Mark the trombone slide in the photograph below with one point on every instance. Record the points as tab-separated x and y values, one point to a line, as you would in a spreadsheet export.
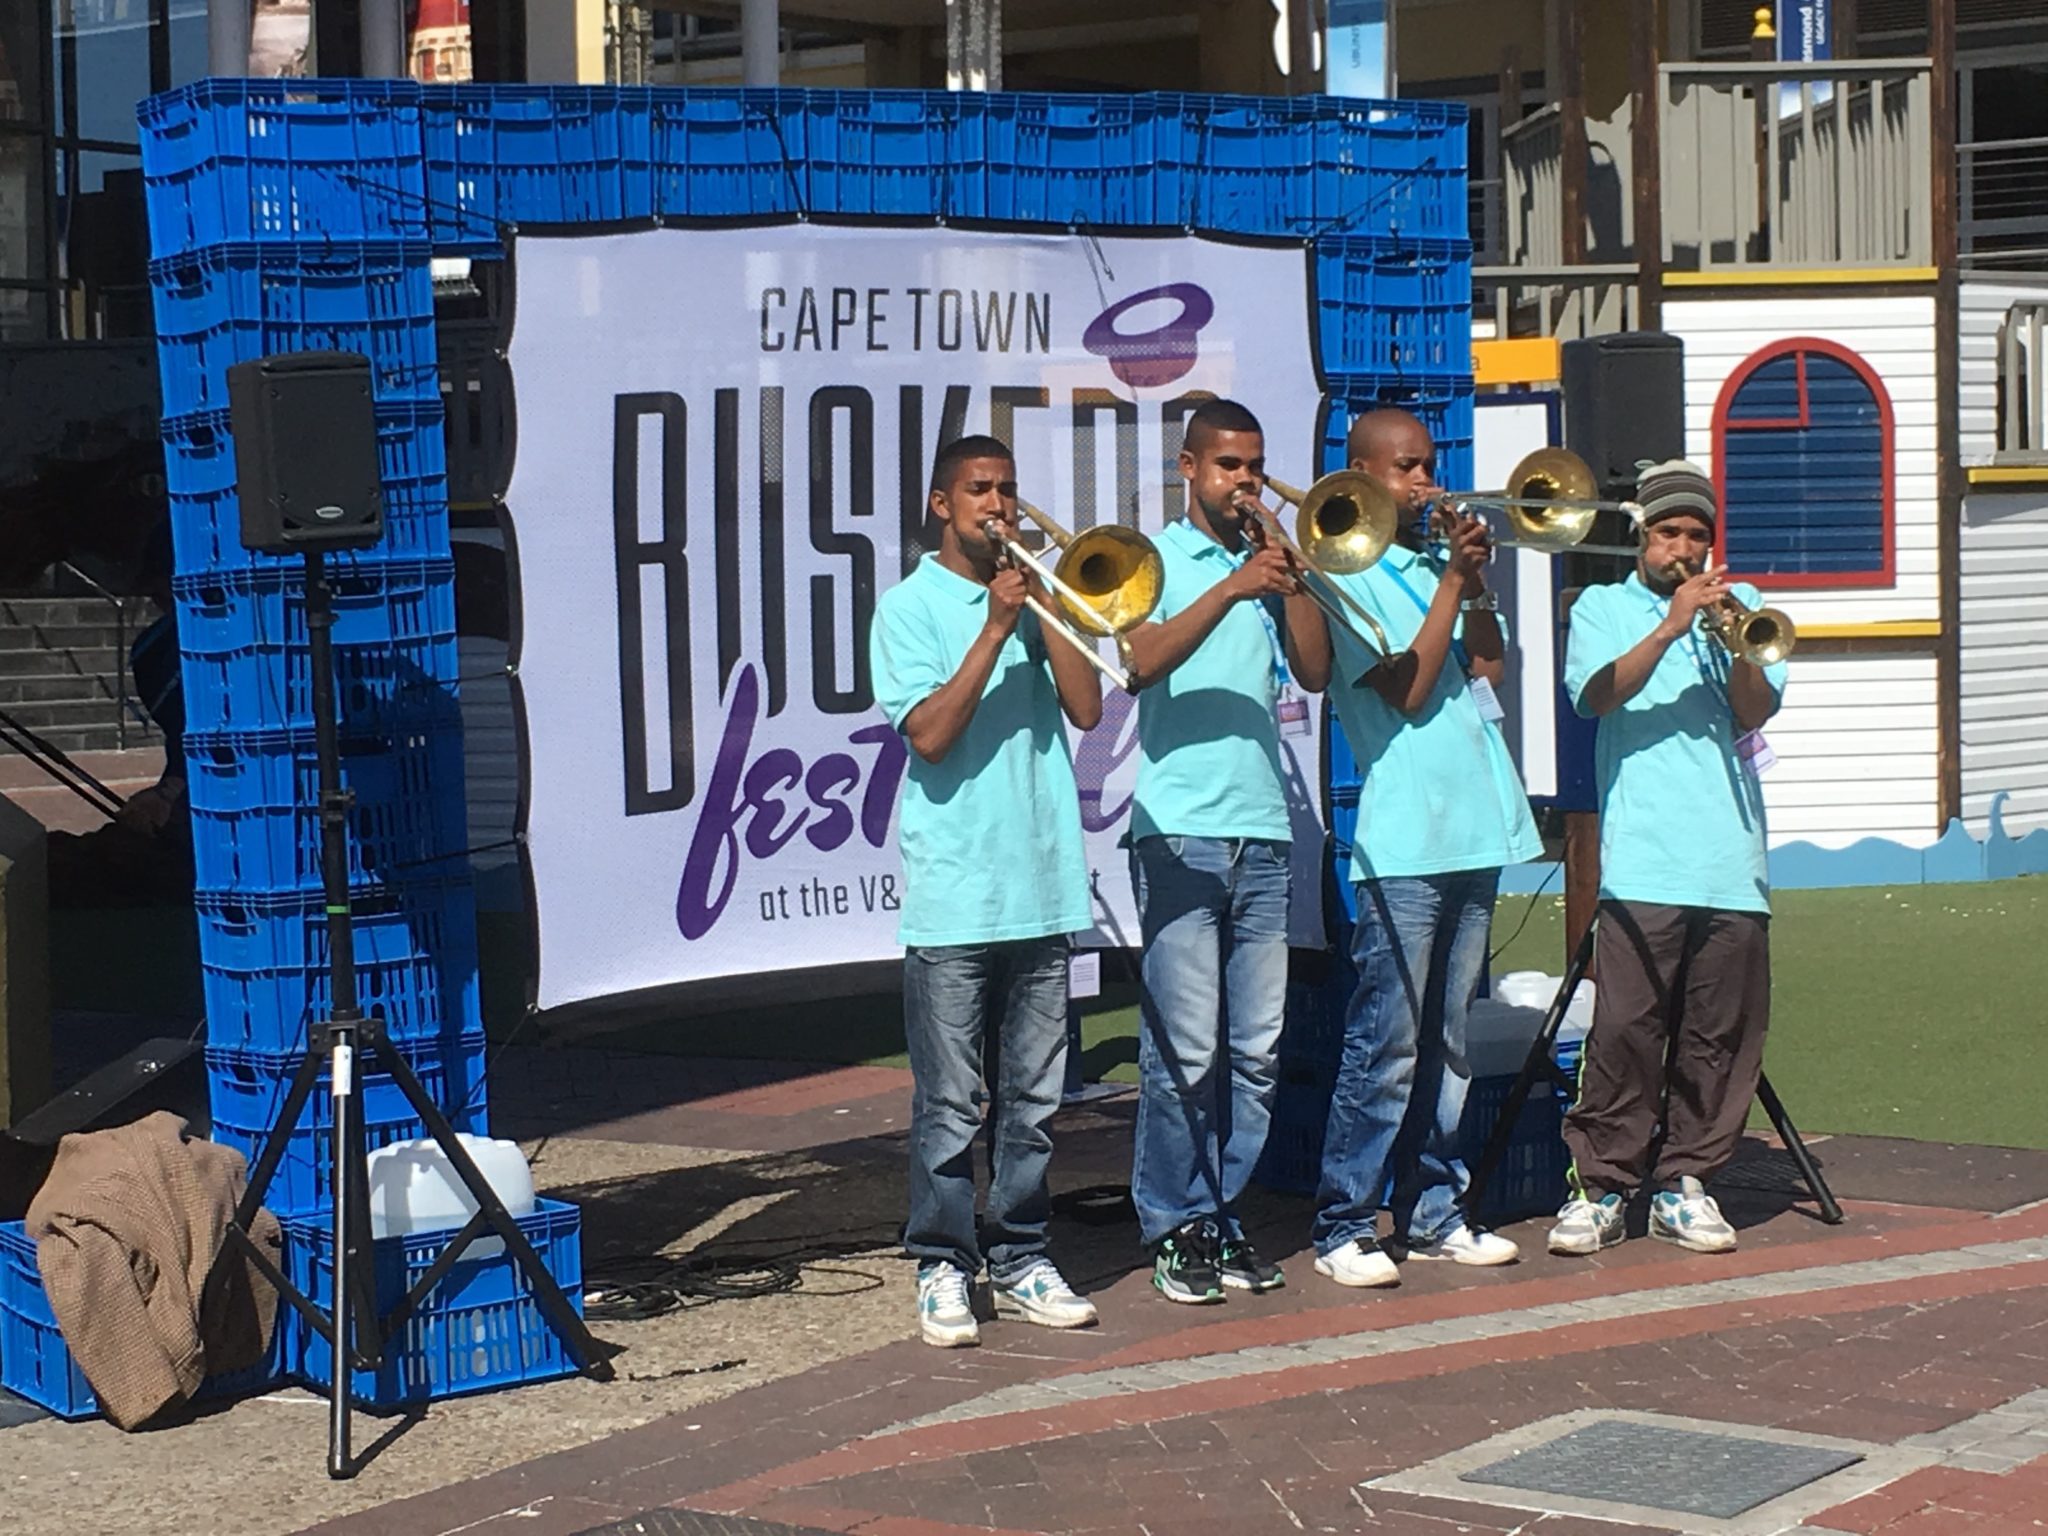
1049	620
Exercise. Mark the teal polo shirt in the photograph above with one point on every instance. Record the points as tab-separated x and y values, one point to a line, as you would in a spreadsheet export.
1440	791
1681	816
991	833
1208	741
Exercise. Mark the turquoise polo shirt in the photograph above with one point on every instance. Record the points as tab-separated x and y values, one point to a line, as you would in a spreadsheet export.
1208	740
1440	791
1681	816
991	833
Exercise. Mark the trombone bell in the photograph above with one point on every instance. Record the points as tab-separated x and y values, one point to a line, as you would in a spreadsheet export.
1345	522
1116	572
1562	483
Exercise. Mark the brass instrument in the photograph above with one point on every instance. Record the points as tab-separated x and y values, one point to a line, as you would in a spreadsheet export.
1550	505
1763	637
1107	581
1344	524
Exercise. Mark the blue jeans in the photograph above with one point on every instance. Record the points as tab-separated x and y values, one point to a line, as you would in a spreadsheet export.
1213	912
950	996
1419	946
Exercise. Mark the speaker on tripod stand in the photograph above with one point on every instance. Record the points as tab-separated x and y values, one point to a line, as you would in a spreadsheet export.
305	430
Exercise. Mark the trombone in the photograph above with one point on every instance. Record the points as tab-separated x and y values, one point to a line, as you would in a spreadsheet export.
1107	581
1343	524
1550	505
1763	637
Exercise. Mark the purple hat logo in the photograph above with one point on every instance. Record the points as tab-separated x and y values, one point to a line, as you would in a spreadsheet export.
1148	359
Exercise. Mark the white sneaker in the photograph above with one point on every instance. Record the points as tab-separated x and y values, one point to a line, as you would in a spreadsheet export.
945	1315
1043	1296
1586	1226
1688	1217
1465	1246
1357	1265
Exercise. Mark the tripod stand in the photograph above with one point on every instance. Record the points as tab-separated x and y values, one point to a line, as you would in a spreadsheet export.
1541	1062
344	1044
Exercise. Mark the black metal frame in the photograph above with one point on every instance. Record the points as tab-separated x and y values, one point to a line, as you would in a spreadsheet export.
343	1045
1542	1063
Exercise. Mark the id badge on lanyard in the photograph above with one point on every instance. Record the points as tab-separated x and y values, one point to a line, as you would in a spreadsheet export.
1483	697
1752	751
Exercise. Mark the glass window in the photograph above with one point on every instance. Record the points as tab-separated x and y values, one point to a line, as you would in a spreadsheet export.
99	67
103	241
188	41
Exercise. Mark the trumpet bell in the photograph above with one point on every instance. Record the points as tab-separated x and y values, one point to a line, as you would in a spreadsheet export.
1560	477
1119	574
1345	523
1764	637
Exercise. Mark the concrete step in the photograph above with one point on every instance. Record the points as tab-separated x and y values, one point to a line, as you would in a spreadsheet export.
47	715
74	739
36	662
62	637
56	688
60	612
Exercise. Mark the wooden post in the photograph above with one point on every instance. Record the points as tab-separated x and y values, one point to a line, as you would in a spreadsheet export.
1510	114
1941	49
1572	130
1645	150
1301	29
1847	25
1763	48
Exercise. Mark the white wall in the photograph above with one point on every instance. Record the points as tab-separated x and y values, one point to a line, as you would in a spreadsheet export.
1856	743
1983	303
2005	657
1895	336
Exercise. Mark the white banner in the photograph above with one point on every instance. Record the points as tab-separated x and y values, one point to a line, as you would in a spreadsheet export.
725	437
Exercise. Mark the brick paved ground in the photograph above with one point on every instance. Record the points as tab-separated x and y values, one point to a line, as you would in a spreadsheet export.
1918	1329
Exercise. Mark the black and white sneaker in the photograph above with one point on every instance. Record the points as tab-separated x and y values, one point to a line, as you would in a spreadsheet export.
1243	1270
1184	1265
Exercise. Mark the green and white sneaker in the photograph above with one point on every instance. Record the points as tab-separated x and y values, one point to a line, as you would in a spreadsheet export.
1184	1268
1586	1226
1689	1217
945	1313
1242	1269
1043	1296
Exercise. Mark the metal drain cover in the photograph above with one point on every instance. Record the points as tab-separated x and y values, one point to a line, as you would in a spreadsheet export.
1694	1472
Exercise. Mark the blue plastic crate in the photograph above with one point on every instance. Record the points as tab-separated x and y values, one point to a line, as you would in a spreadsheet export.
256	825
1389	168
35	1362
1250	162
247	1090
1292	1159
303	161
1394	307
248	665
880	151
1444	404
728	153
479	1329
498	156
1070	159
206	512
264	970
230	303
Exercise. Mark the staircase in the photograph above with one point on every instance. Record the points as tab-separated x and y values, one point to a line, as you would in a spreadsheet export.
63	673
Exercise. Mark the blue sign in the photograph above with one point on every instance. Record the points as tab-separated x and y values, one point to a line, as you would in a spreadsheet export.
1356	56
1806	31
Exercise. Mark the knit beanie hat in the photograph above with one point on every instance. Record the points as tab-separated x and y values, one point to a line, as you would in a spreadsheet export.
1674	487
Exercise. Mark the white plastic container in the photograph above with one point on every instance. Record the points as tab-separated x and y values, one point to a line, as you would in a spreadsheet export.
1509	1020
414	1188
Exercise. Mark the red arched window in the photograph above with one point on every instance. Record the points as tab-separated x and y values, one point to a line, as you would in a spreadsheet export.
1803	455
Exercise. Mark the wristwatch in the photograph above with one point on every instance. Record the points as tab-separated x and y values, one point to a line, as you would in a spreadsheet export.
1488	601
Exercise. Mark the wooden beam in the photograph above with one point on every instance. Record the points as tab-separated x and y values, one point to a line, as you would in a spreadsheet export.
1572	129
1510	114
1645	148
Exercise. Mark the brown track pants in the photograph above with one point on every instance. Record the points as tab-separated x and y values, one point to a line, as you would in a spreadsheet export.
1683	1002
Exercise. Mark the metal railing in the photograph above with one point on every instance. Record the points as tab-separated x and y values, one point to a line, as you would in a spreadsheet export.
2002	201
1786	165
123	695
2022	413
1566	302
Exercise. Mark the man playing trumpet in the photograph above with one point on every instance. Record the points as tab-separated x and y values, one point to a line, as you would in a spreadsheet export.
1683	949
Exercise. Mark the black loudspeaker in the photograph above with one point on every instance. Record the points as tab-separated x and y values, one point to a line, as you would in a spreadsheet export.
1624	401
305	427
158	1074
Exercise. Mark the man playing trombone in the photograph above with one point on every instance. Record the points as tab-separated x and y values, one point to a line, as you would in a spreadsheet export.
1233	642
995	880
1683	948
1440	811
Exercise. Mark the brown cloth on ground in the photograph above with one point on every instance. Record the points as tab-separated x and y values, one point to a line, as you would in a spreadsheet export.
128	1228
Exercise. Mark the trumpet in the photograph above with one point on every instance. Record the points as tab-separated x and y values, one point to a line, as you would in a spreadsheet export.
1107	581
1344	523
1550	506
1762	637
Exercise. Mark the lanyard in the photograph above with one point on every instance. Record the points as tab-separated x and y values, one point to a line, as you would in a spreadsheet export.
1265	612
1415	597
1712	667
